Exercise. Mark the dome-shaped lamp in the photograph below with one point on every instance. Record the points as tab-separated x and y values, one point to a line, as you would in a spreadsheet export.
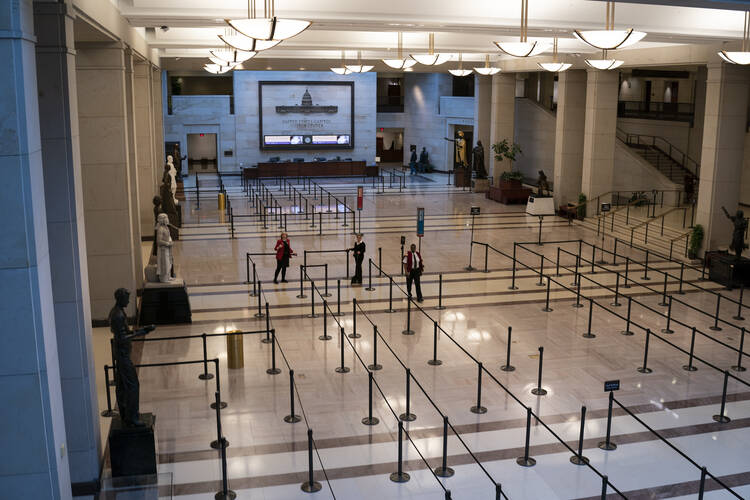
269	27
523	48
401	62
431	58
216	69
487	70
359	67
739	57
460	71
604	63
610	38
555	66
342	69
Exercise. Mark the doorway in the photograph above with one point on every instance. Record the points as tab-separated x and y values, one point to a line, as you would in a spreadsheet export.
389	145
202	153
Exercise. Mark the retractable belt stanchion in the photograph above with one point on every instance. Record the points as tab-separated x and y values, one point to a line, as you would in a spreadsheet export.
292	418
507	367
689	367
578	458
109	412
444	470
342	368
588	334
354	334
369	419
225	493
325	335
627	330
478	408
538	391
716	327
526	460
374	366
738	367
721	418
273	370
607	444
434	361
408	416
645	368
310	486
400	476
205	375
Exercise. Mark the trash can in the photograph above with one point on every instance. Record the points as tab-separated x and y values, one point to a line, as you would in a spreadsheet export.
222	201
235	352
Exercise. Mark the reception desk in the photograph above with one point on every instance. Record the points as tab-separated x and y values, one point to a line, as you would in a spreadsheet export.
310	169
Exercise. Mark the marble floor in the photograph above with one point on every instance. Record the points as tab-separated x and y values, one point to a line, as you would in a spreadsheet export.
267	458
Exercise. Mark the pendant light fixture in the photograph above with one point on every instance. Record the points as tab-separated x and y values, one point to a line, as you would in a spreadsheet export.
555	66
231	56
739	57
216	69
431	58
604	63
241	42
402	62
342	69
220	62
524	48
359	67
610	38
460	71
269	27
487	70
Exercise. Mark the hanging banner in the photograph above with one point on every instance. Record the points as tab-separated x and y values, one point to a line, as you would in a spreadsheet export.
420	222
360	196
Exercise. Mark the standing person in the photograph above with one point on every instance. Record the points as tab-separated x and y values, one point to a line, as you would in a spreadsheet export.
358	250
414	269
284	252
413	161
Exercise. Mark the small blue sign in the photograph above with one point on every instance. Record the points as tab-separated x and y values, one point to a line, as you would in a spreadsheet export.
420	222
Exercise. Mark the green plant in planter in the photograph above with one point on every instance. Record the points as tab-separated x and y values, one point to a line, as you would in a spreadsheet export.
505	150
581	210
511	176
696	241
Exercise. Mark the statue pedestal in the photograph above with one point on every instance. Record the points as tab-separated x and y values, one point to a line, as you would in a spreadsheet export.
480	185
132	450
729	271
165	303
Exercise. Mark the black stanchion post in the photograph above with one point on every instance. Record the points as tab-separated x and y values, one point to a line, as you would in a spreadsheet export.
721	418
645	268
434	361
400	476
325	335
338	299
444	470
312	300
273	370
114	365
255	280
507	367
380	262
682	273
627	330
408	330
739	317
354	334
526	460
541	271
205	375
645	368
109	412
578	458
689	367
513	275
614	253
247	269
267	339
738	367
578	291
605	484
301	294
664	302
669	317
369	419
369	276
547	308
259	314
408	416
478	408
557	263
325	291
220	441
627	270
576	274
486	249
607	444
616	303
374	365
702	485
588	334
218	384
342	368
225	493
538	391
310	486
390	296
292	418
716	326
440	305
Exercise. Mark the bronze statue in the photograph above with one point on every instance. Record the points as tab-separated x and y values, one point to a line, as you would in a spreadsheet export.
167	205
542	184
460	143
478	160
738	235
126	378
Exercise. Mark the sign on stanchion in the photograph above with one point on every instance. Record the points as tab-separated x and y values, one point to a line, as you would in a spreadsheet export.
420	226
540	207
474	211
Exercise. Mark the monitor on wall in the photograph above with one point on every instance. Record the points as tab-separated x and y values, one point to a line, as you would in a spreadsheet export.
306	115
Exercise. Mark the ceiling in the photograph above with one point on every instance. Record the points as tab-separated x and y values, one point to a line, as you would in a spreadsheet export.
467	27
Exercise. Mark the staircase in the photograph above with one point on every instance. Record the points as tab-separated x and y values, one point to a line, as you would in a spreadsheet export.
669	160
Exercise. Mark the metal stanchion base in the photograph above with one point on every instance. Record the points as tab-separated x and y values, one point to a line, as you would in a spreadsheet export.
722	419
615	304
308	487
370	289
326	294
644	370
253	294
273	371
479	410
229	495
434	362
206	376
342	369
662	303
603	445
222	405
626	286
738	368
408	332
292	419
311	315
444	471
526	461
338	314
109	413
508	368
259	315
325	337
370	421
216	446
680	292
439	308
646	278
266	340
390	311
547	309
589	335
512	288
407	417
689	368
301	296
400	478
667	330
354	335
601	262
469	268
577	304
540	284
738	318
627	333
714	328
538	391
575	459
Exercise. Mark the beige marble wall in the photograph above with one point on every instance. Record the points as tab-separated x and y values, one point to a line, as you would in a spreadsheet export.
133	147
723	150
535	133
483	114
502	119
144	131
597	172
113	243
569	132
158	124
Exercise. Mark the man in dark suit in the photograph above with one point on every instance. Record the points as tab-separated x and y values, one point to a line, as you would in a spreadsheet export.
358	251
414	268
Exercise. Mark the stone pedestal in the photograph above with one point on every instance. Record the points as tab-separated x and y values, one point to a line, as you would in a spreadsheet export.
480	185
165	303
132	450
729	271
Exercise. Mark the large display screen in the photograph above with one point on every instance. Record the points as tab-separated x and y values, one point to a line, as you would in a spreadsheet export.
306	115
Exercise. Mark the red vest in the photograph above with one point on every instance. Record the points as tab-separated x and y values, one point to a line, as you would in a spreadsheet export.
409	261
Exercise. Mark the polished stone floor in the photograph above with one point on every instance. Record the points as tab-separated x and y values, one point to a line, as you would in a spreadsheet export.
268	458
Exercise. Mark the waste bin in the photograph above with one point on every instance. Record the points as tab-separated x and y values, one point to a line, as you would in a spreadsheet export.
235	352
222	201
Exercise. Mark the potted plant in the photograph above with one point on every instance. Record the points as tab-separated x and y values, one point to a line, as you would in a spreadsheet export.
581	210
696	241
505	150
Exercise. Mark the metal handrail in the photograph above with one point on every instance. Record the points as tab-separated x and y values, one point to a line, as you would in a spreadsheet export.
685	161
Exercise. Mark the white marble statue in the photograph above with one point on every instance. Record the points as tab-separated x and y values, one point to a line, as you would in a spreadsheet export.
173	178
164	259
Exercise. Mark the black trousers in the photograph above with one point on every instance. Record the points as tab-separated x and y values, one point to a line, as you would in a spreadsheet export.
414	276
281	265
358	270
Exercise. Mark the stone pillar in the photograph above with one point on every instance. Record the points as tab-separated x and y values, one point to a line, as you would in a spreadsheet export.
502	119
569	132
483	115
63	193
112	240
722	152
33	450
132	146
599	135
158	127
144	133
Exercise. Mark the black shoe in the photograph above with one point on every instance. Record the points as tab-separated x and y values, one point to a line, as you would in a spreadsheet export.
420	299
275	282
284	281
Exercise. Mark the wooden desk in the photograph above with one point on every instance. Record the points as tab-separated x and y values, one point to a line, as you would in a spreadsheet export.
310	169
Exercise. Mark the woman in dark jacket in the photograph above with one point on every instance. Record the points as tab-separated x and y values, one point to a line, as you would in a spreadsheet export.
358	251
283	253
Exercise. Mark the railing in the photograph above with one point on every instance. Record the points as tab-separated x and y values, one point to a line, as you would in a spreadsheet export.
675	111
663	216
390	104
664	146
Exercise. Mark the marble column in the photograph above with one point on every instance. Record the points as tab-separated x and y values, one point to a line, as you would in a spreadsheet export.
112	240
158	126
598	169
133	147
569	132
483	114
33	451
722	153
502	118
63	192
144	133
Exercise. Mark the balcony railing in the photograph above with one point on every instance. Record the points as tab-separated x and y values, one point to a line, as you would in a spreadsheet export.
676	111
390	104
